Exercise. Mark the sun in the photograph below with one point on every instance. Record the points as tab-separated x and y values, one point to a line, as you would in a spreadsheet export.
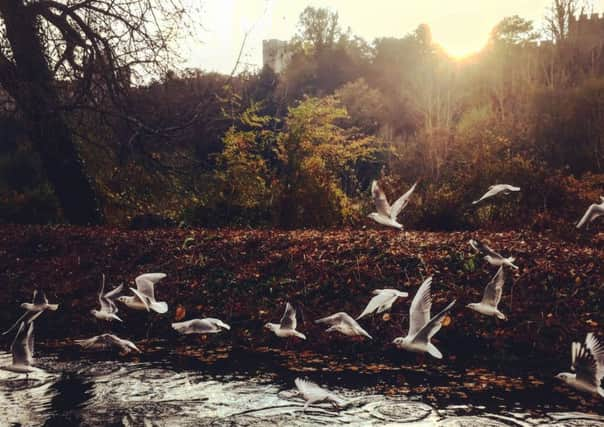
461	39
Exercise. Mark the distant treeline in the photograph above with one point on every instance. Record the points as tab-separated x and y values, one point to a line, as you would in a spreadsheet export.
301	148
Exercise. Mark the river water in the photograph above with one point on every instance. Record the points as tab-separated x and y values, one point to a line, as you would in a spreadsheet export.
97	390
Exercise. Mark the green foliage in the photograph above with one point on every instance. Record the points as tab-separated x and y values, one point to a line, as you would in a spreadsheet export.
302	174
319	160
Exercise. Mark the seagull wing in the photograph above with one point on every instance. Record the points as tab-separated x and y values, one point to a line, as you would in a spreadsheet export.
584	364
39	298
152	277
145	287
288	320
107	303
591	213
494	289
143	298
334	319
28	316
219	323
113	293
376	302
203	326
310	390
433	326
102	303
21	345
482	247
379	199
493	190
419	312
596	347
402	202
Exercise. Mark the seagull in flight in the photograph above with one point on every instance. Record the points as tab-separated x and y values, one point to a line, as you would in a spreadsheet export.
491	297
287	326
108	342
108	309
593	212
495	190
493	257
386	214
421	327
382	301
588	365
312	393
22	349
209	325
343	323
38	305
144	294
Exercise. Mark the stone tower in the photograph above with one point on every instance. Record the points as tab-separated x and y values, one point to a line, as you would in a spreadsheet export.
586	32
275	54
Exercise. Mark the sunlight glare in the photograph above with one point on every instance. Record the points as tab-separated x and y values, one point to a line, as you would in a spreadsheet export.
461	36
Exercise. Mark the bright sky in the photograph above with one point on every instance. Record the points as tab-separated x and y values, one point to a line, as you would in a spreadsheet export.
460	26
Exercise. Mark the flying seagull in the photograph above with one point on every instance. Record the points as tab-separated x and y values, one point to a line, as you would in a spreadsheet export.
108	308
588	365
287	326
343	323
491	296
38	305
209	325
382	301
593	212
144	294
312	393
386	214
108	342
22	349
492	257
421	327
495	190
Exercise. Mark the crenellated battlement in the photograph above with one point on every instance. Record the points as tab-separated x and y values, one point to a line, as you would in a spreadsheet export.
586	31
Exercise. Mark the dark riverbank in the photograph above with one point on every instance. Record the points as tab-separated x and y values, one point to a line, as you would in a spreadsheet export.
244	277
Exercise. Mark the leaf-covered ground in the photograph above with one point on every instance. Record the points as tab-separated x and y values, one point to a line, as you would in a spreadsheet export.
245	277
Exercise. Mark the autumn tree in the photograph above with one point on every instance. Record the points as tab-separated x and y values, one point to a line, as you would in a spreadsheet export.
57	57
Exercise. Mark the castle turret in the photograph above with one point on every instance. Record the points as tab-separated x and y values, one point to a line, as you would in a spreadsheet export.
276	54
586	32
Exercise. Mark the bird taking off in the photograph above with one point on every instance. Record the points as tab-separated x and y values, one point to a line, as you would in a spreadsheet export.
494	190
386	214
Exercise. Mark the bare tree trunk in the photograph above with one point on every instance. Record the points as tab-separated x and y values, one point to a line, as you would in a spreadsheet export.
29	81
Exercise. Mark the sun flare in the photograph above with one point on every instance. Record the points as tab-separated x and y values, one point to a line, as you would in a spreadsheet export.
460	41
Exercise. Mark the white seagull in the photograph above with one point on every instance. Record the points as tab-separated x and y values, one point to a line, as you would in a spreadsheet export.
38	305
491	256
491	297
343	323
386	214
108	342
287	326
496	189
593	212
588	365
312	393
382	301
421	327
108	308
144	294
22	349
209	325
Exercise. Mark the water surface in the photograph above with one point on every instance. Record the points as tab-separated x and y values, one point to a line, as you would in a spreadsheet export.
104	389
